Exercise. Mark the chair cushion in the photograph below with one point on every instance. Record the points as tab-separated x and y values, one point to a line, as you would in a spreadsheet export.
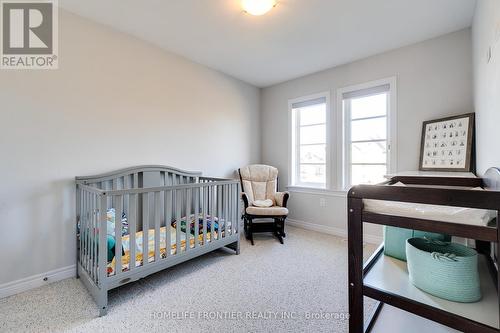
271	211
263	203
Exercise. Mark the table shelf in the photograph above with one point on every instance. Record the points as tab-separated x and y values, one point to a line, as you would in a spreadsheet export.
391	276
394	320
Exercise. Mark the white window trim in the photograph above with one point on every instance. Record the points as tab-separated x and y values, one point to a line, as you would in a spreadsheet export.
343	162
292	144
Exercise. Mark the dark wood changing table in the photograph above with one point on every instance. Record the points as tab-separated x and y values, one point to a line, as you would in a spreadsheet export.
385	279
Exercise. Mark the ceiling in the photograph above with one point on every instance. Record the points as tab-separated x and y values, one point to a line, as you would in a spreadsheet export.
296	38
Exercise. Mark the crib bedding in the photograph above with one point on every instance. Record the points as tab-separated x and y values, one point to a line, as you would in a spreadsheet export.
151	246
473	216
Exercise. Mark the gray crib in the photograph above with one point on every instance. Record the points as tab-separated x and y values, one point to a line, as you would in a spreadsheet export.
146	201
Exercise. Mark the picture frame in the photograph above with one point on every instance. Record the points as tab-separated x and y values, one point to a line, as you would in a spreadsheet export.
446	143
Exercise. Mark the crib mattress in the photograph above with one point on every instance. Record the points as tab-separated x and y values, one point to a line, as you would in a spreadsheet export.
480	217
151	249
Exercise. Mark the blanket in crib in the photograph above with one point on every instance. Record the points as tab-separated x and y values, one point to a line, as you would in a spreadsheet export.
192	219
151	247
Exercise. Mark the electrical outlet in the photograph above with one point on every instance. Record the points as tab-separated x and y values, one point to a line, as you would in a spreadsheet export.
322	202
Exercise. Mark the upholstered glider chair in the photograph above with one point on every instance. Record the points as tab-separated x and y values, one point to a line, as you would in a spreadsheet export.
259	185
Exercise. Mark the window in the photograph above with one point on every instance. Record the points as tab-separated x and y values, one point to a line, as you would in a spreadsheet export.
367	140
309	144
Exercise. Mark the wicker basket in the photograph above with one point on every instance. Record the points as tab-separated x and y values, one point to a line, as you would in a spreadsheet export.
395	240
445	270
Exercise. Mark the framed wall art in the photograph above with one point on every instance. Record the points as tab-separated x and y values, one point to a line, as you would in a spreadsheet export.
447	144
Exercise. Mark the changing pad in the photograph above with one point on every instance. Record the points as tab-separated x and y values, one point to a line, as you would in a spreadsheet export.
450	214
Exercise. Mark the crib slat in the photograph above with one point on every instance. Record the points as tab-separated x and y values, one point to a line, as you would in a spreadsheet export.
134	201
114	186
91	235
168	222
94	234
238	209
90	243
222	211
234	201
178	231
78	223
80	241
90	239
87	231
229	201
234	223
213	212
196	215
135	180
222	217
163	178
103	244
174	197
188	219
204	212
157	225
236	217
236	213
108	185
84	229
87	228
230	210
145	228
118	233
90	232
132	222
226	209
127	184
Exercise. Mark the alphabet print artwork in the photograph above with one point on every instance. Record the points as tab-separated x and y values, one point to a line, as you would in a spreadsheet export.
446	143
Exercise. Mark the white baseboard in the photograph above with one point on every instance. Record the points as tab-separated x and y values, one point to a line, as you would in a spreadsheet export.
335	231
35	281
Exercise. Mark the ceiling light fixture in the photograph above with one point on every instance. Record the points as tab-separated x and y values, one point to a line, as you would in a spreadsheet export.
258	7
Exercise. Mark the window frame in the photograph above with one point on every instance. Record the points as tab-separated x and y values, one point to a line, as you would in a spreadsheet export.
343	140
294	146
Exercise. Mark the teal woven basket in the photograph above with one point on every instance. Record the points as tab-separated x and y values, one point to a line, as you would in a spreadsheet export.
446	270
395	240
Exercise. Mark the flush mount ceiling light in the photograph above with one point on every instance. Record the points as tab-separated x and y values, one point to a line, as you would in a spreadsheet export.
258	7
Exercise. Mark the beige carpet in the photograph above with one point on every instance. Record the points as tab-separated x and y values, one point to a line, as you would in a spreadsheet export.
297	287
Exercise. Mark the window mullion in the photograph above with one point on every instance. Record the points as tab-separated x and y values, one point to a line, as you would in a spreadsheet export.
297	149
369	118
310	125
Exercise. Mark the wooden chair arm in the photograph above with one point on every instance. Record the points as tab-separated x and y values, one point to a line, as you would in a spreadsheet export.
245	200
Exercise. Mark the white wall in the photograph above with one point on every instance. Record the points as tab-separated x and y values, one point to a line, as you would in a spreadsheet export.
485	34
114	102
434	79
